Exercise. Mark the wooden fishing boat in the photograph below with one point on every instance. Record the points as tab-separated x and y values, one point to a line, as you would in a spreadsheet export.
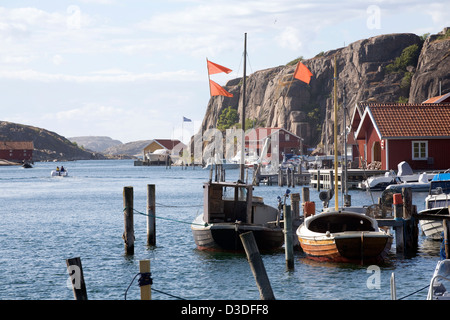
231	209
343	236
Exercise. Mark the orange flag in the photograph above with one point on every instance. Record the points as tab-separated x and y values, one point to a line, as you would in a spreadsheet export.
217	90
214	68
302	73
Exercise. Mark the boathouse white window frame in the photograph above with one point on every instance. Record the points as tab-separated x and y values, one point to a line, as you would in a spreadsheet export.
422	149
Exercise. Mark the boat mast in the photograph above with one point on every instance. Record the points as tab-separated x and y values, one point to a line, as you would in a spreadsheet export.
336	198
242	165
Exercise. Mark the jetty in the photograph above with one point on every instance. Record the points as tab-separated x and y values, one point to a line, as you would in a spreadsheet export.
324	178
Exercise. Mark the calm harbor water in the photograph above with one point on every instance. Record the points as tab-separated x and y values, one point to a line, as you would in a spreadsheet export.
45	220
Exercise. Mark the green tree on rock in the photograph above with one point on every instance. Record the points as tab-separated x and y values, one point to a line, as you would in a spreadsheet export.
227	119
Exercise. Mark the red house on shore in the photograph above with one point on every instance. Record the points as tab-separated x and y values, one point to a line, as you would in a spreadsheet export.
17	151
282	142
416	133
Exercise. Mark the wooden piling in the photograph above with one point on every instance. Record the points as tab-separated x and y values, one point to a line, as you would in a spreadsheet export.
398	216
146	290
295	205
305	197
288	246
151	215
446	225
318	180
257	266
75	270
128	235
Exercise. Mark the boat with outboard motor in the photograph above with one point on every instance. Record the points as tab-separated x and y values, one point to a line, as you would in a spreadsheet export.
404	175
59	172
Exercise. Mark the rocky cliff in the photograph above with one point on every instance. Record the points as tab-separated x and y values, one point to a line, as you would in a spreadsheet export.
386	68
48	146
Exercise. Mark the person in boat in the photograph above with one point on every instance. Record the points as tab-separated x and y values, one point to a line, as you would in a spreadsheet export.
62	169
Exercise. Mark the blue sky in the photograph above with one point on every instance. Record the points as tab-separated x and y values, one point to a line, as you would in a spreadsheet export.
132	69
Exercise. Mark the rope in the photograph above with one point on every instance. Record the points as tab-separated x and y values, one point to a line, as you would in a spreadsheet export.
145	280
169	219
187	206
414	292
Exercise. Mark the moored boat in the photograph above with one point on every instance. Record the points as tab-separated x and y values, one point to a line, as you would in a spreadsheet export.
436	203
229	210
440	282
343	236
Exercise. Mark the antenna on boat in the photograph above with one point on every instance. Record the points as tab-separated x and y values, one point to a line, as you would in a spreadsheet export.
336	200
244	84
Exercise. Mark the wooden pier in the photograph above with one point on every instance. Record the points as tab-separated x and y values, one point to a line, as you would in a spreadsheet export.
324	178
290	177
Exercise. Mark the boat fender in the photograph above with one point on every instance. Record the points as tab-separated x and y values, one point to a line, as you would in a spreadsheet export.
309	208
397	198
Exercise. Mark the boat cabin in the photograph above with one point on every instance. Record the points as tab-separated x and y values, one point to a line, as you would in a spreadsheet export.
231	202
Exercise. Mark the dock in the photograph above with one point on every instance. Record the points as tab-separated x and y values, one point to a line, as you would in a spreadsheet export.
324	178
283	177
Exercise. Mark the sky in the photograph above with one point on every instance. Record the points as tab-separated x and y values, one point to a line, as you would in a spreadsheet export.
131	70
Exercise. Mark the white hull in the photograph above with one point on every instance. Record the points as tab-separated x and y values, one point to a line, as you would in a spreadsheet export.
439	284
432	229
55	173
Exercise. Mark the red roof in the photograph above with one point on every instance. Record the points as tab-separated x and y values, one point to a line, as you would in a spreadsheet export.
407	120
167	143
445	98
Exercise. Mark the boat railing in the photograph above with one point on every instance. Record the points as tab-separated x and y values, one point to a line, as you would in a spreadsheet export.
438	289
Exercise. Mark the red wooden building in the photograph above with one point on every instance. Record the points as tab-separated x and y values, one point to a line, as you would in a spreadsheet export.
416	133
281	141
17	151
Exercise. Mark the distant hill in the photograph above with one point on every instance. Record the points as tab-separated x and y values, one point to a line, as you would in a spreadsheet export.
134	149
48	146
95	143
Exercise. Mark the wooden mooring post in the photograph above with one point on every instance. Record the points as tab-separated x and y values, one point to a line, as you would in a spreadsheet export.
446	225
75	270
288	241
128	235
146	288
257	266
151	215
405	225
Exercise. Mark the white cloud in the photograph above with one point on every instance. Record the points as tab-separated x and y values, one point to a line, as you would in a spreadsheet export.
290	38
105	76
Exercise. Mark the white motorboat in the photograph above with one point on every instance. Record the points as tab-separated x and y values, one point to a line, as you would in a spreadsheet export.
59	173
403	175
440	282
159	155
225	164
423	184
437	202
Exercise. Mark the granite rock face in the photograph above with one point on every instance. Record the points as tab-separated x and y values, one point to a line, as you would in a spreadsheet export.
433	68
275	99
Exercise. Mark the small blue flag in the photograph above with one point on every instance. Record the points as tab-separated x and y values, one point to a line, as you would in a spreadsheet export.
186	119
